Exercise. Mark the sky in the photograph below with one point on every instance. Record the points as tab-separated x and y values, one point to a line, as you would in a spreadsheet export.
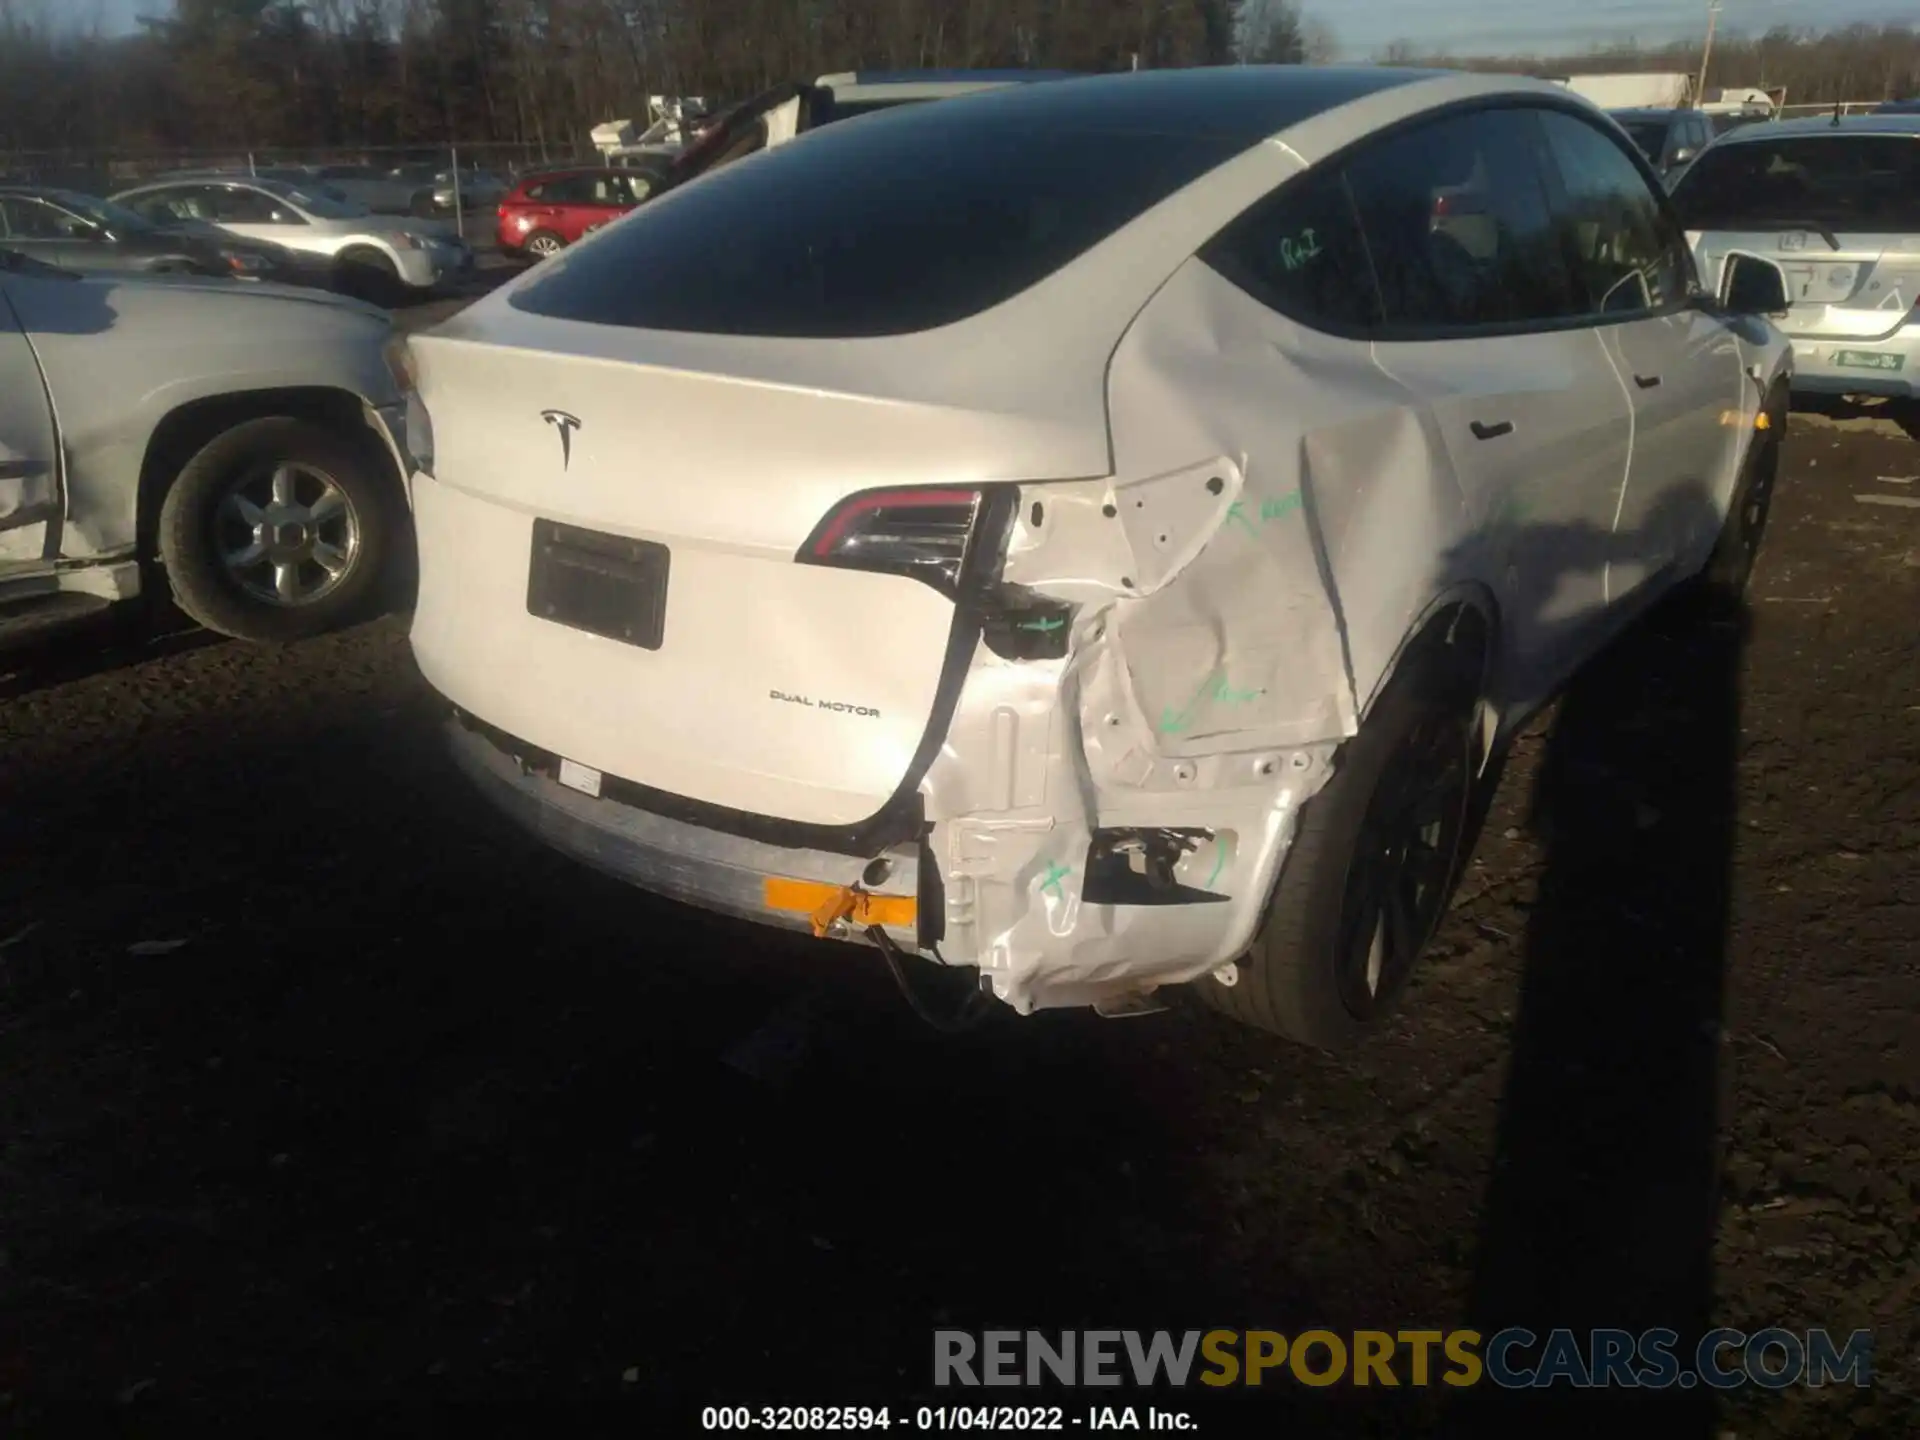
1364	27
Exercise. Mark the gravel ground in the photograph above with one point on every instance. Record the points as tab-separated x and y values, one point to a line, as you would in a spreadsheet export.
323	1086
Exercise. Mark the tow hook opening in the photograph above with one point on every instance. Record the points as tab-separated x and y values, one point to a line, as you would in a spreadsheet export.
1144	866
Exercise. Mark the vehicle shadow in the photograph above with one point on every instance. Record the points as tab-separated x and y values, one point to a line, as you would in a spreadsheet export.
94	647
1602	1203
53	301
399	1102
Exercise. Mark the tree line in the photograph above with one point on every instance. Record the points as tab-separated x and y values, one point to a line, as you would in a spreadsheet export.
313	75
1856	63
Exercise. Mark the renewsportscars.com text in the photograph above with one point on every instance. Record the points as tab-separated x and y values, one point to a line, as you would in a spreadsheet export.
1514	1358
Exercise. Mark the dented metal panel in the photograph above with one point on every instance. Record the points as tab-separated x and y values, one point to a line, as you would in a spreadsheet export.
120	354
1208	678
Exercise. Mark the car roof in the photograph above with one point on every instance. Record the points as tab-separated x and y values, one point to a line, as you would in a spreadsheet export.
1824	125
1247	103
1648	112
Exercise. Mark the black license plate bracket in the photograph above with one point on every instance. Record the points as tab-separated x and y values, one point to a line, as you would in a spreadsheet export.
608	585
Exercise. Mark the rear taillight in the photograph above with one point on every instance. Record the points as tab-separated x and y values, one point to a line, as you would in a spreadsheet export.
923	532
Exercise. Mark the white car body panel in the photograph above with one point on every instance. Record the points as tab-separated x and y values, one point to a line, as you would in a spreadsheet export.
99	363
29	453
1246	572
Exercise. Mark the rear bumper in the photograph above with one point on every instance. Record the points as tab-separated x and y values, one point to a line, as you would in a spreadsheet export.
685	862
1817	367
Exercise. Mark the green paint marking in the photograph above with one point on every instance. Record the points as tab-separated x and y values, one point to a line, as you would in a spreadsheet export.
1055	874
1280	506
1296	252
1219	861
1042	625
1276	507
1214	688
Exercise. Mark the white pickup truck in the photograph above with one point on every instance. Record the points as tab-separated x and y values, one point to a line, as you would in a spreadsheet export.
240	445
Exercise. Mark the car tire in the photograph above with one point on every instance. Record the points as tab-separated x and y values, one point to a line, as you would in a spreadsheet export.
1730	565
331	517
369	274
422	205
1329	964
542	245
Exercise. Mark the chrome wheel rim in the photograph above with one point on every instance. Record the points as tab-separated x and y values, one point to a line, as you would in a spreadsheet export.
287	534
1403	864
543	246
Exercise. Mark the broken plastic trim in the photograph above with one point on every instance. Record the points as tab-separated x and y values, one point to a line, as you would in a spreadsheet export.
1022	625
1136	867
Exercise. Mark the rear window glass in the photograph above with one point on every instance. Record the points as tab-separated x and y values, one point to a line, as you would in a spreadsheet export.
1850	182
902	222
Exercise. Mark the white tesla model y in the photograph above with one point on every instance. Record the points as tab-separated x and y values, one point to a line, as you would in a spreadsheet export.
1085	535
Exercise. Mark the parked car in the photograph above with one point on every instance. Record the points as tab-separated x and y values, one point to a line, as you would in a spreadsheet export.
780	114
1899	107
1088	535
1668	138
544	214
83	232
1734	119
373	257
478	190
1837	205
386	189
305	177
239	445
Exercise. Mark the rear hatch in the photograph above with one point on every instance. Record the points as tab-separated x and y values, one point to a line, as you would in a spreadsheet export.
1839	213
732	587
772	415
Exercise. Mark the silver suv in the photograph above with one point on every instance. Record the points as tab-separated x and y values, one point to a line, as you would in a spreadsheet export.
1837	204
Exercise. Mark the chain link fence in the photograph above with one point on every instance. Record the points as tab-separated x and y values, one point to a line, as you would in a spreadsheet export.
389	179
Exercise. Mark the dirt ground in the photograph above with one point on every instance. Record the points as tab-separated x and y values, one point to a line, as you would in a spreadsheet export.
322	1087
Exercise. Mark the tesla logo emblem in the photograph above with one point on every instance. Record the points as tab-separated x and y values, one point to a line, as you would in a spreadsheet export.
566	424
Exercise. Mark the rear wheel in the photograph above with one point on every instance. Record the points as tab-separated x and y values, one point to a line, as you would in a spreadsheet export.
1372	865
423	205
544	245
278	529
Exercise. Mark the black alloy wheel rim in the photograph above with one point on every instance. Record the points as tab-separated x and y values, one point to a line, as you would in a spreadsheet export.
1403	862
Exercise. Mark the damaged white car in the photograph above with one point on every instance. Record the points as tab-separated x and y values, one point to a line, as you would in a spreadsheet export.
1087	535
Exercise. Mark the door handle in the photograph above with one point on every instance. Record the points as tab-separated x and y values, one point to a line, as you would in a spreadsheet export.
1491	432
1646	382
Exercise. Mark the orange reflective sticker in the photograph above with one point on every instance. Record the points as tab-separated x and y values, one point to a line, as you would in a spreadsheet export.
827	905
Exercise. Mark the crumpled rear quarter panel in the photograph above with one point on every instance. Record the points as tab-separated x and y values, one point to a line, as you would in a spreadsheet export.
1280	517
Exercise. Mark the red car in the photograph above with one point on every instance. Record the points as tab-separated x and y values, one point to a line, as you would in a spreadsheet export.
544	214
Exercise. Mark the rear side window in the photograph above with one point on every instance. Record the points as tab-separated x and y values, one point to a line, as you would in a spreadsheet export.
564	190
1865	183
1458	228
1302	253
903	222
